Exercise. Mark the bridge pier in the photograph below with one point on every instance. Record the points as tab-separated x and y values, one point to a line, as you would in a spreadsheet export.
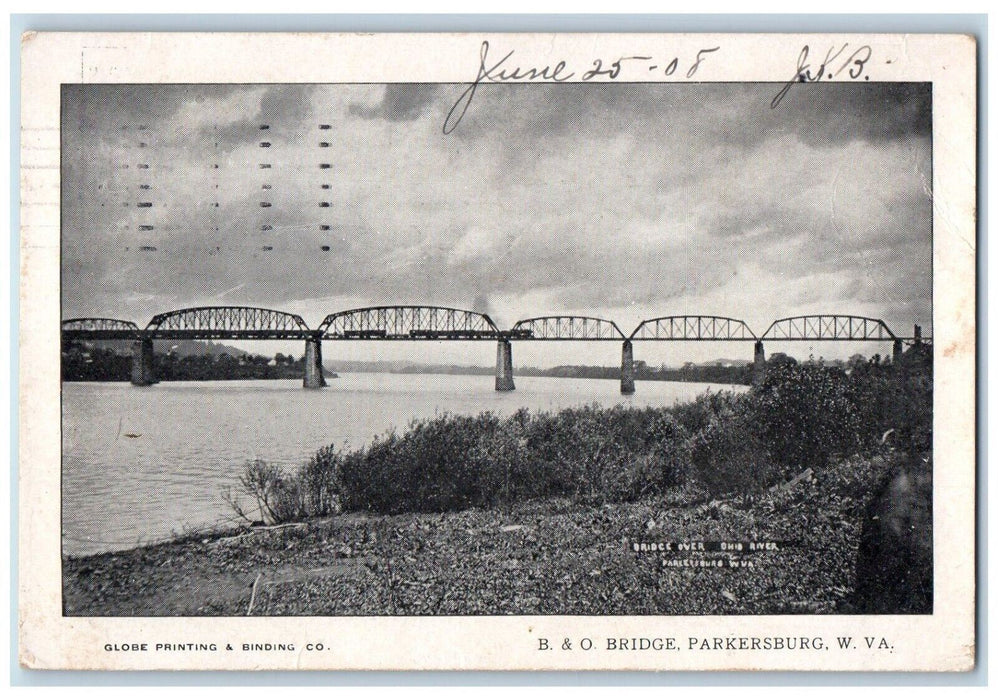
759	363
504	366
627	368
897	354
143	369
314	378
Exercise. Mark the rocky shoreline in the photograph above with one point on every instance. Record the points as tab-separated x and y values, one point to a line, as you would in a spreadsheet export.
551	556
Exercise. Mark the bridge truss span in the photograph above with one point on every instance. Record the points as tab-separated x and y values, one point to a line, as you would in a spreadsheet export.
693	328
829	327
228	322
566	328
408	323
99	329
98	324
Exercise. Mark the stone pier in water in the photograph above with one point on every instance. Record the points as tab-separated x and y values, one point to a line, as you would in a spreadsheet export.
314	378
759	363
627	368
143	369
504	366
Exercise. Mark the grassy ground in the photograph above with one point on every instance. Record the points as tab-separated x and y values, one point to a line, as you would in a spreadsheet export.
544	557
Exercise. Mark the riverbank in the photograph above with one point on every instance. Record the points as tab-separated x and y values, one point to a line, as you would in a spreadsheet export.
195	438
550	556
810	493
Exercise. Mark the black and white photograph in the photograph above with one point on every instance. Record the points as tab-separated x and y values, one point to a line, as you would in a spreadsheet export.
282	301
615	338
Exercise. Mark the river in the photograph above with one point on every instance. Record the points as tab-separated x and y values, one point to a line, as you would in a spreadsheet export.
143	463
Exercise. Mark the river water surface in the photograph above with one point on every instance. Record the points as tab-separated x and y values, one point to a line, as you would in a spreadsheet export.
143	463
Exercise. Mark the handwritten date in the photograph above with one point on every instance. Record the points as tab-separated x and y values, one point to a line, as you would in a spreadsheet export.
504	70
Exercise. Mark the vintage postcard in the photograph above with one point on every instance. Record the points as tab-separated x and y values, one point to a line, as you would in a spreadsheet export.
646	352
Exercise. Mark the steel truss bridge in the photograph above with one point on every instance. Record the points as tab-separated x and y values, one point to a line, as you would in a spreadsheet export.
408	323
566	328
439	323
228	323
693	328
444	323
832	327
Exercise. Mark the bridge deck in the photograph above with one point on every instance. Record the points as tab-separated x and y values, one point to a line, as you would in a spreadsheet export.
169	334
436	323
304	335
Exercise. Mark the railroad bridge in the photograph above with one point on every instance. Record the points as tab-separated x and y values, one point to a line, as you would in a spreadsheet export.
439	323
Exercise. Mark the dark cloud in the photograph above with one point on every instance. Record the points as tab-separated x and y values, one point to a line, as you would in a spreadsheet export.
830	113
401	102
113	108
194	121
591	198
286	111
735	114
769	220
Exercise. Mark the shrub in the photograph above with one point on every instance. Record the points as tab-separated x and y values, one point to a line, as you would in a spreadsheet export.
278	498
909	411
800	416
592	452
320	480
664	468
312	491
697	414
729	458
871	390
429	468
803	414
666	463
507	474
456	462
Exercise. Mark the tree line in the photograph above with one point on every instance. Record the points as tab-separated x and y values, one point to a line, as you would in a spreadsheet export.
86	363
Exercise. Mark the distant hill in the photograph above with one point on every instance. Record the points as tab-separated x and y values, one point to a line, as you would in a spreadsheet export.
409	367
721	371
184	348
725	362
181	348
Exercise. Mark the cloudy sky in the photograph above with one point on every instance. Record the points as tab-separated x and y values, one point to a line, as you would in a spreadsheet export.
622	201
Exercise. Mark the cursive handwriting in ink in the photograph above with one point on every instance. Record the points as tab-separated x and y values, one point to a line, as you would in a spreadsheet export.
853	65
497	73
857	62
700	57
502	70
614	70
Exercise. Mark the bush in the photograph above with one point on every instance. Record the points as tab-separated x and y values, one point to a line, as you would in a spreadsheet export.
432	467
803	414
457	462
321	482
278	498
800	416
662	465
729	458
697	414
871	390
910	411
806	414
312	491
